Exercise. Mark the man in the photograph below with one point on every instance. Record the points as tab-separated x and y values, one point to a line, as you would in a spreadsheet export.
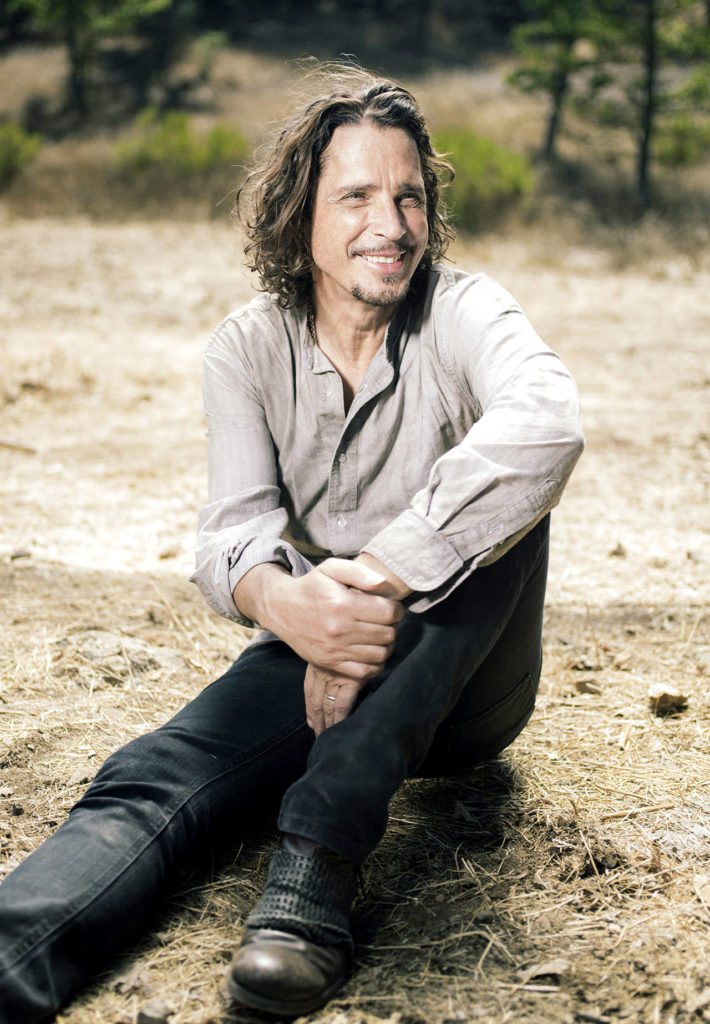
386	438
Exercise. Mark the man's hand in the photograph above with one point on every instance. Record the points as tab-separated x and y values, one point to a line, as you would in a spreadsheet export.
330	697
329	617
319	685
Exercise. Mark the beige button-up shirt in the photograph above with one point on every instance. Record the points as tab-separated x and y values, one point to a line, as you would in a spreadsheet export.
459	439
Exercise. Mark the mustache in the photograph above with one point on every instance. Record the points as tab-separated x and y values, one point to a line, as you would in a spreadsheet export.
398	247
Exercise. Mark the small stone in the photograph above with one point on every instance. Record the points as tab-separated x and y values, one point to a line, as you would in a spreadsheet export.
586	686
550	968
664	699
156	1012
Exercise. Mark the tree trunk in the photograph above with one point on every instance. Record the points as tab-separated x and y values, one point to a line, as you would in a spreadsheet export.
650	63
77	31
558	93
164	50
553	125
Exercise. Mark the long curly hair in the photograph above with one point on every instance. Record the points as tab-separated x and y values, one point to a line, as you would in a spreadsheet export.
274	204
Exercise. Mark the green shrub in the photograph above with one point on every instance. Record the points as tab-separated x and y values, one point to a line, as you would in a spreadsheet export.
169	146
17	148
490	178
681	141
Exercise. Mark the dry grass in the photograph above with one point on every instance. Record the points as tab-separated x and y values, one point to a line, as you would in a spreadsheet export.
567	880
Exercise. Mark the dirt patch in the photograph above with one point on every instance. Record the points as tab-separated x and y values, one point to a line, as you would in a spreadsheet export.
568	880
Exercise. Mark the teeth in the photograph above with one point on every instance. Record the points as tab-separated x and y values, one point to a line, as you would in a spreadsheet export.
384	259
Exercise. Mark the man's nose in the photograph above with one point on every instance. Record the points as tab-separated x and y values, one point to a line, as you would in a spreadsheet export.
388	219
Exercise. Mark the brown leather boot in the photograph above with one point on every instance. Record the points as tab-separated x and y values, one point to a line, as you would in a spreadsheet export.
297	944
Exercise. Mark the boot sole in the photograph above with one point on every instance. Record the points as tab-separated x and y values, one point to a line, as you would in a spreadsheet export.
282	1007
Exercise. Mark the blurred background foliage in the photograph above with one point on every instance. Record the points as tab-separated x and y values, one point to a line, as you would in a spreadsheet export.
108	107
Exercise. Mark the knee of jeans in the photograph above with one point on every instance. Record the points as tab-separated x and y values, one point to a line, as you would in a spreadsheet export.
487	734
460	747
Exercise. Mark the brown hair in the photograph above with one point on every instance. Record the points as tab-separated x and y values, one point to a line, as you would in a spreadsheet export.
275	202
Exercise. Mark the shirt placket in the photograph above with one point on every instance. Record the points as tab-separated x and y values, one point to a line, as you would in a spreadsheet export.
341	435
343	526
343	489
328	393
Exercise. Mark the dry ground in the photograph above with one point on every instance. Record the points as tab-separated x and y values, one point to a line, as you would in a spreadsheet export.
570	880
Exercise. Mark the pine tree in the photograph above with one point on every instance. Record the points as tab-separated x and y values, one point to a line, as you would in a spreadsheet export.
550	52
656	85
80	24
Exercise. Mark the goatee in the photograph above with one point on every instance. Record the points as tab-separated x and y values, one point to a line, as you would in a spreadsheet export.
389	295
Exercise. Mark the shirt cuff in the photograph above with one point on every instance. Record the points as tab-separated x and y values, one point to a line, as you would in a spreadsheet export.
218	585
421	556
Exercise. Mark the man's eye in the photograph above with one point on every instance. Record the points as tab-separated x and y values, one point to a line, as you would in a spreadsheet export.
355	195
411	199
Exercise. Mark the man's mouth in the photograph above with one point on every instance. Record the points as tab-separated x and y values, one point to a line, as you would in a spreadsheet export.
383	259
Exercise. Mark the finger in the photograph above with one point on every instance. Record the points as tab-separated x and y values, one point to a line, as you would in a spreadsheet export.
344	696
382	611
357	672
314	689
376	655
366	634
316	720
329	706
345	701
351	574
361	578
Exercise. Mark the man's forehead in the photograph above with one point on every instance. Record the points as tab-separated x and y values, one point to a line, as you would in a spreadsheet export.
355	146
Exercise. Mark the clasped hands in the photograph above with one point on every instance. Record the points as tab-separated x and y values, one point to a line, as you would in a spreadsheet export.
342	619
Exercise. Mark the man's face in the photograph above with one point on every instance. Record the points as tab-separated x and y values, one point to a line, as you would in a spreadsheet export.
369	228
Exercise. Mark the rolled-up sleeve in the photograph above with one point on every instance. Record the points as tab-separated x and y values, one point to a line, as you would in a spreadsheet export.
510	469
243	522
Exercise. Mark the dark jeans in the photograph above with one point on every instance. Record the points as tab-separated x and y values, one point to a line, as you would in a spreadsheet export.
459	687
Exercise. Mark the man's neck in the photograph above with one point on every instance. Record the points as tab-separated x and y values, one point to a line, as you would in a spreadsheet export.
353	339
350	339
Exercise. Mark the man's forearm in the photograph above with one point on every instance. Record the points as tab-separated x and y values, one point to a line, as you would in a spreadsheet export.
252	593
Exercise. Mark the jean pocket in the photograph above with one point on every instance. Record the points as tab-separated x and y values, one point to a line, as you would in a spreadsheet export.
489	732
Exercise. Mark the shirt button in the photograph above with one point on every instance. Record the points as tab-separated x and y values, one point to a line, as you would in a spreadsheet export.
342	457
342	521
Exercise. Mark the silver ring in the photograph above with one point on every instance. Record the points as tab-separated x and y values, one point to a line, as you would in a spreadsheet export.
329	696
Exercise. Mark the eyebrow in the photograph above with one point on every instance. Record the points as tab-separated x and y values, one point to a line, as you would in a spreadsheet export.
355	187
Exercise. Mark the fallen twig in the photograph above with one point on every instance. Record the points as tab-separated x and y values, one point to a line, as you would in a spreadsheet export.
635	811
17	446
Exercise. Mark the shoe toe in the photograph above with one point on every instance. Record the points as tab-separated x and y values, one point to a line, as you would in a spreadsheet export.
270	968
283	973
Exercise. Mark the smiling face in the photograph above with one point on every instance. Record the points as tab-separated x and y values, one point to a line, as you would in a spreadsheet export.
369	228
